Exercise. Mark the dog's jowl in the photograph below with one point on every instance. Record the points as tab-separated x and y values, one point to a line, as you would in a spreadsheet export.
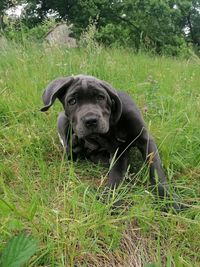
104	120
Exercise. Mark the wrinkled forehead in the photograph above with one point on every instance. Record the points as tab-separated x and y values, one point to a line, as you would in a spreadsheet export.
87	85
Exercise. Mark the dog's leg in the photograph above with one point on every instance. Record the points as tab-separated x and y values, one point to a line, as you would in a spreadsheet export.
158	179
118	169
116	175
70	142
63	129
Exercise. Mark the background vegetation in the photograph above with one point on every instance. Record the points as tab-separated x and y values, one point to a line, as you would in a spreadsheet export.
54	200
163	27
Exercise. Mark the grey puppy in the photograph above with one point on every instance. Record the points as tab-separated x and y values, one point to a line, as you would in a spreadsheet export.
103	122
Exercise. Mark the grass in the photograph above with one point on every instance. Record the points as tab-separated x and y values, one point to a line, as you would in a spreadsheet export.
55	200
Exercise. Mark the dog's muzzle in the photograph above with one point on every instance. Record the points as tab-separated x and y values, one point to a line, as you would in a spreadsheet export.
91	121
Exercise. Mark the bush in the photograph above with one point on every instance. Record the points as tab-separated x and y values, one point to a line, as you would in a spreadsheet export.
19	32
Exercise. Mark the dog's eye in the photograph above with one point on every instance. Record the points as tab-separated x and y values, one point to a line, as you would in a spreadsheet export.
72	101
100	97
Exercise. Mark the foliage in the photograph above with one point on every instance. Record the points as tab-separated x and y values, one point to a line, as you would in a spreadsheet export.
18	251
19	32
152	25
88	39
190	18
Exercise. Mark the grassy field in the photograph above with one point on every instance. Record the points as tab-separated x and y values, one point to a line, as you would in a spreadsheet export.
55	200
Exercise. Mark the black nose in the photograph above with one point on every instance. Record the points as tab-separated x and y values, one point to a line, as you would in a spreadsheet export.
90	122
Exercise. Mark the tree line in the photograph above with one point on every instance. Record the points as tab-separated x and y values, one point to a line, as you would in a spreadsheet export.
162	26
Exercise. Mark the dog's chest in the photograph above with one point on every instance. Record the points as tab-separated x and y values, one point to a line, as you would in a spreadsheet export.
109	142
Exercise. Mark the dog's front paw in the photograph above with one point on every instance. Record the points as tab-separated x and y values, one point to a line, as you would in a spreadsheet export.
75	146
109	197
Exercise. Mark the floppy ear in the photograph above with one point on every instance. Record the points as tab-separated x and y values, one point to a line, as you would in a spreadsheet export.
56	89
116	102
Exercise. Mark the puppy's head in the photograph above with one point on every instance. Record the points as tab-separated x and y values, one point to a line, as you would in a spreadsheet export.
91	105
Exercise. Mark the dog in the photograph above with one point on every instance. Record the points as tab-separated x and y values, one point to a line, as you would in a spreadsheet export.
99	122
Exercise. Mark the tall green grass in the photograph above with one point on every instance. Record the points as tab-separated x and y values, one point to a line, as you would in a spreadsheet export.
56	200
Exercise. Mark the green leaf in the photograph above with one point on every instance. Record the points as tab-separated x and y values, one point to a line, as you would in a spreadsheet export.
152	265
15	224
4	207
32	209
18	251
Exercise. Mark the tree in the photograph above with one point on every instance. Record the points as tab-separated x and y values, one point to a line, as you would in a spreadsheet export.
190	14
158	25
147	23
4	5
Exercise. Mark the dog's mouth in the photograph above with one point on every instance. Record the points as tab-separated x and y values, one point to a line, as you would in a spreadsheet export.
82	131
89	134
92	135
